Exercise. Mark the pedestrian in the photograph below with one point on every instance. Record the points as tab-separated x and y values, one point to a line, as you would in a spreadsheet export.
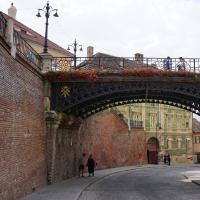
168	159
81	165
181	64
165	158
91	165
168	63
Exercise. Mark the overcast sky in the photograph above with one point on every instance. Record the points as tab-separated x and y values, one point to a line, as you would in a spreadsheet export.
156	28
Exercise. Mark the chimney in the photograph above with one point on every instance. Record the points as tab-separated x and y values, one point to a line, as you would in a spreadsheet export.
12	11
90	52
139	57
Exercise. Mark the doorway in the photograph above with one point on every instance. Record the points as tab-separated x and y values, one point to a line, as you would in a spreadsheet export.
152	150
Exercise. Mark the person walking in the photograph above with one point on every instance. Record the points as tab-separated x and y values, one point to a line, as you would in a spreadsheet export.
169	159
91	165
165	159
81	165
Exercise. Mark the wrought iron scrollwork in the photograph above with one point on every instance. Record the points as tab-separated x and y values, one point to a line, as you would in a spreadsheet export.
86	99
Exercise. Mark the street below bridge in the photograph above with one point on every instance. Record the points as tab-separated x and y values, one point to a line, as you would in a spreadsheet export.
149	182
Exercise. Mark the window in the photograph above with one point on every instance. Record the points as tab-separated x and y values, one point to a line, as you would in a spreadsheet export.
179	140
169	143
197	139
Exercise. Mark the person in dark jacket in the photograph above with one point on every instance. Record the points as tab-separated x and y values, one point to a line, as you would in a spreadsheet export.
91	165
169	160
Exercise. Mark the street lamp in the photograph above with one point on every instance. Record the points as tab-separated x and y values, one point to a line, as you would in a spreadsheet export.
47	9
75	45
158	127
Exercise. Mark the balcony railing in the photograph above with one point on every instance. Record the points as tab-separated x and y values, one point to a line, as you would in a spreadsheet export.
2	26
26	51
22	47
118	63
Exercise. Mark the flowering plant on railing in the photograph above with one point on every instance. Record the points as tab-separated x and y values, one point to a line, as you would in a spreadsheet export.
143	71
152	72
92	74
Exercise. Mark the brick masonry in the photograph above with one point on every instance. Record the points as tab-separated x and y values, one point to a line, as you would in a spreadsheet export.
22	130
107	137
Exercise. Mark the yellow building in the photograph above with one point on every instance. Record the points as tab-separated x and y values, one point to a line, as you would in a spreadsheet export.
167	127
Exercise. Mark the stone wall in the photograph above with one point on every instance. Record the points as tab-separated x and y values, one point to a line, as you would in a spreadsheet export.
22	128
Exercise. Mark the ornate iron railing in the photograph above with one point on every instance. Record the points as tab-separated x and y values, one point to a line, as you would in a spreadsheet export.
118	63
26	51
3	23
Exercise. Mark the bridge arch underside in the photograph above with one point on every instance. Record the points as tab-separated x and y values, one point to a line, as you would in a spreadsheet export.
86	99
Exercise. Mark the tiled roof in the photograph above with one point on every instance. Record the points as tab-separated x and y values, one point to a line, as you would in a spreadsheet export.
108	61
30	35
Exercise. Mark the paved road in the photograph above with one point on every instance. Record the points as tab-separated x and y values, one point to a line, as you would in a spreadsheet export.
151	182
162	183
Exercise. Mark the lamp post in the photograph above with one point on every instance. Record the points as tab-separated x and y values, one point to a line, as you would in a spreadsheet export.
75	45
47	9
158	127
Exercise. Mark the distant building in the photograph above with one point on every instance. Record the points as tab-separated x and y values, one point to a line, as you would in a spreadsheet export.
167	130
196	141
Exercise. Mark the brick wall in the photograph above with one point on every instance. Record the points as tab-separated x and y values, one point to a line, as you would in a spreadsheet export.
67	154
22	132
104	135
107	137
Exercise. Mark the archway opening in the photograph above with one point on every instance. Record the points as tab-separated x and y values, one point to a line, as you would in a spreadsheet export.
152	150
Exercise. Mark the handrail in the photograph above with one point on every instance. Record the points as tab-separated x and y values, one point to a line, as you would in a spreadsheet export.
118	63
22	47
26	51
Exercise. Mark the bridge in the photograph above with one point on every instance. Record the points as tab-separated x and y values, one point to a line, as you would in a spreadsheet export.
97	83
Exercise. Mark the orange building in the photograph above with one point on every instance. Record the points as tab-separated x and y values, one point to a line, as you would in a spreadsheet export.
196	141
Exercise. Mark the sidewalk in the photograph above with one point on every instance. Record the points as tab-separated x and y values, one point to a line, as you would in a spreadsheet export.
71	189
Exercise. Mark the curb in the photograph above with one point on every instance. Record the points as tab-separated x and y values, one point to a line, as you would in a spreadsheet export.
197	182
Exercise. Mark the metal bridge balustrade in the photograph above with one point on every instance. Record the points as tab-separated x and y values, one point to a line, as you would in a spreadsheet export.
116	64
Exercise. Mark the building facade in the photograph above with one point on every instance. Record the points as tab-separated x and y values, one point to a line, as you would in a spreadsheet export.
196	141
167	130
